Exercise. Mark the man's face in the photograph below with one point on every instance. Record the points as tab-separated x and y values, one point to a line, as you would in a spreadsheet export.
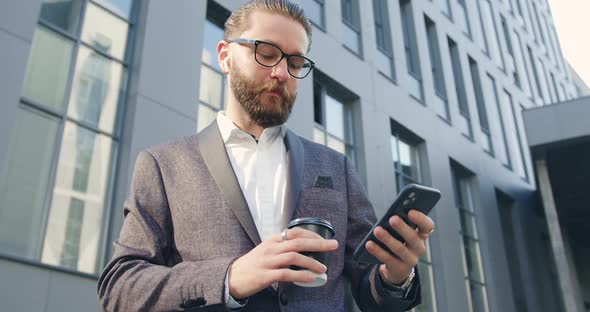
266	94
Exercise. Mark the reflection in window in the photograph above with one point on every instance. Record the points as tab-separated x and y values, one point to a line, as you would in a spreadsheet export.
96	88
212	80
105	32
78	202
62	14
406	162
61	155
45	81
333	125
121	7
24	182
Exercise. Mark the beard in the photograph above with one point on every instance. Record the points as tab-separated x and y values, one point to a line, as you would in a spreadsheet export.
266	110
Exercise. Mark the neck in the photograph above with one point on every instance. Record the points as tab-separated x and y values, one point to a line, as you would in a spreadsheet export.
240	118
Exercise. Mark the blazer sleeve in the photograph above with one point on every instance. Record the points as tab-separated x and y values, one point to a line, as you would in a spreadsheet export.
145	272
366	287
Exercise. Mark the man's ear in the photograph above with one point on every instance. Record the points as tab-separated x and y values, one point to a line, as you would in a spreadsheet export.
223	56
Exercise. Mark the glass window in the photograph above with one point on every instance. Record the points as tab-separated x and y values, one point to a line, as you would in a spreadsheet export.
212	34
512	134
96	89
384	58
472	262
497	129
481	107
212	86
333	121
78	204
351	25
105	32
535	71
411	48
489	21
65	167
62	14
334	116
520	62
24	182
464	123
45	82
121	7
427	282
406	161
206	116
463	18
212	81
480	28
435	59
314	10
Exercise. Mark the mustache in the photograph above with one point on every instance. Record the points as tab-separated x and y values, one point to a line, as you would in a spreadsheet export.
274	86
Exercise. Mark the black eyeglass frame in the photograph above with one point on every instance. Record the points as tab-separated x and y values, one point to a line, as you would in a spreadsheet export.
256	43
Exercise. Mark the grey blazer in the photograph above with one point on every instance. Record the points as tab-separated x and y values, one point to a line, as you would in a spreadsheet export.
186	220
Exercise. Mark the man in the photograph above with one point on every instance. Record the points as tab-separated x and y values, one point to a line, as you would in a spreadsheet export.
203	222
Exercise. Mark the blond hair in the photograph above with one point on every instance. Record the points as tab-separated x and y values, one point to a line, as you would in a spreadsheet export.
238	22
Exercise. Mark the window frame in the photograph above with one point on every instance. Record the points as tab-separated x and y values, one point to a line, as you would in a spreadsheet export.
25	103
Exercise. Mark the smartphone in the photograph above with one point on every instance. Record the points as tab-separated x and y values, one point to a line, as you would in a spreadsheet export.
411	197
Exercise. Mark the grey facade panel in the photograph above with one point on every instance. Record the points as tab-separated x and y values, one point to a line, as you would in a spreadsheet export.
553	123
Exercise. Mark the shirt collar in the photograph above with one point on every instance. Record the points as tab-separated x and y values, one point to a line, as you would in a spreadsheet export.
229	131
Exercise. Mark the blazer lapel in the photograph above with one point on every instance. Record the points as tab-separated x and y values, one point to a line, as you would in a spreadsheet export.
215	157
294	150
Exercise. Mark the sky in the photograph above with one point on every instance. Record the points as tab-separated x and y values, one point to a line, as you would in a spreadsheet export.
572	21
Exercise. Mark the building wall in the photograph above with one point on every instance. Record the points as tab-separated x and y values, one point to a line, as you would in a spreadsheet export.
162	102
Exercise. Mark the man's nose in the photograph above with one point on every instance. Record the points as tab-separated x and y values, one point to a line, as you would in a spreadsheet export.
280	71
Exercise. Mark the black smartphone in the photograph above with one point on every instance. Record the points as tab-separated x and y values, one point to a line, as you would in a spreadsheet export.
413	196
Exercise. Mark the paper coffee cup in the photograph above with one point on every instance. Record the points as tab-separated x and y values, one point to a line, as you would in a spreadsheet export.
323	228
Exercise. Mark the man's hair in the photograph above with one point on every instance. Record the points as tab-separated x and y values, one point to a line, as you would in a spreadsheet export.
239	20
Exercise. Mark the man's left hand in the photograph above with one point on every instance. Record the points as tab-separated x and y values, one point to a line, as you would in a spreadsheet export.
396	270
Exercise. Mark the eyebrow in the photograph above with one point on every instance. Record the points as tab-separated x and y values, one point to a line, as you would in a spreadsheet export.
278	45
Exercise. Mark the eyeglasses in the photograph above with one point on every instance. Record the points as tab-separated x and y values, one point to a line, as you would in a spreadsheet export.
269	55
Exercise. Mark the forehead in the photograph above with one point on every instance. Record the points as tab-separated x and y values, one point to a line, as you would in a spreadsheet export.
287	33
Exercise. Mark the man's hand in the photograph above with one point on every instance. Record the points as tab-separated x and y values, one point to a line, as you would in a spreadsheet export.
394	270
269	262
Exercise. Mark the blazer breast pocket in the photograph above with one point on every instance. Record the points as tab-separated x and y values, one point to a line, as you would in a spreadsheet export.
324	203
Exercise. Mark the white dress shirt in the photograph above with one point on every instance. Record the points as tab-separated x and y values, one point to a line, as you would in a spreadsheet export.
261	170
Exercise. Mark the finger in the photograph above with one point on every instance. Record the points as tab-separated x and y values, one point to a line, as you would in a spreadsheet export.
382	255
403	229
288	275
295	233
307	244
294	258
302	233
395	246
424	223
414	242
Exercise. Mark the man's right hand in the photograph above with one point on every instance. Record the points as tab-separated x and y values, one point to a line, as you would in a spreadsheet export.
270	262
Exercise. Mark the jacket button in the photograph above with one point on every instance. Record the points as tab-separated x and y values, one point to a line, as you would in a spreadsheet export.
284	299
